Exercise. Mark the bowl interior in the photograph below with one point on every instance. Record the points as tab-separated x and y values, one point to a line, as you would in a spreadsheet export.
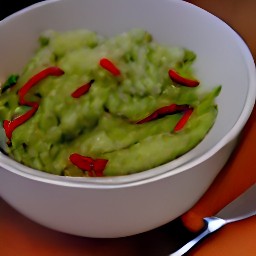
222	56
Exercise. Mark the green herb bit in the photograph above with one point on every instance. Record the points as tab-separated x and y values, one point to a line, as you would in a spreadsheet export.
44	41
11	81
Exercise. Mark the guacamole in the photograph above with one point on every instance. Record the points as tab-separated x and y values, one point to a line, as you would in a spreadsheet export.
89	105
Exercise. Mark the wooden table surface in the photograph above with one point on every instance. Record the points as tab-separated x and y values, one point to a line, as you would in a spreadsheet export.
20	236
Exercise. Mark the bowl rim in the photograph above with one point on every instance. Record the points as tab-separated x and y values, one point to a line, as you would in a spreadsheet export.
156	173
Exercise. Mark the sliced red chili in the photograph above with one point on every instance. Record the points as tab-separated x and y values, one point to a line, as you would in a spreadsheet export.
10	126
99	166
94	167
82	162
50	71
176	77
184	119
82	90
109	66
163	111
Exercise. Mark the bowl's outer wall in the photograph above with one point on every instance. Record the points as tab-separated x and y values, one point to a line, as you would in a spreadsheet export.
108	213
125	210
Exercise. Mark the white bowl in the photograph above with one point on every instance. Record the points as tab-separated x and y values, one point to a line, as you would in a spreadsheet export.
123	206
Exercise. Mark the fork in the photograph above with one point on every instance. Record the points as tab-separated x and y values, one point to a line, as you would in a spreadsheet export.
212	224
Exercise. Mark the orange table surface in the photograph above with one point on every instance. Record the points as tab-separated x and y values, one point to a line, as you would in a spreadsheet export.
20	236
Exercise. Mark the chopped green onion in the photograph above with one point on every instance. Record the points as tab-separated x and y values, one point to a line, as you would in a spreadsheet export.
11	81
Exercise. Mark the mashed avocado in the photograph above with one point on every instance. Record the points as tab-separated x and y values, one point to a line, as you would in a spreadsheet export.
103	122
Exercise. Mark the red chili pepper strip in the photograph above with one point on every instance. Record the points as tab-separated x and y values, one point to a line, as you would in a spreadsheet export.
94	167
109	66
82	90
176	77
182	122
99	166
82	162
9	126
163	111
50	71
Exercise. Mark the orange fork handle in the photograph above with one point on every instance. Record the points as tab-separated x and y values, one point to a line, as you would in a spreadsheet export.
237	176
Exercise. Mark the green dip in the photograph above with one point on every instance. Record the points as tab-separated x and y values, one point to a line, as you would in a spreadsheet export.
101	124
